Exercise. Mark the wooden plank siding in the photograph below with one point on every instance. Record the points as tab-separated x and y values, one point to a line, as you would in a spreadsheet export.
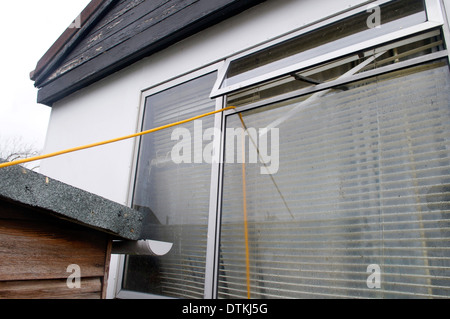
36	250
50	289
128	32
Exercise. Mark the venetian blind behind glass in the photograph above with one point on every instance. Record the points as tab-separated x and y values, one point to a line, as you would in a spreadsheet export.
174	197
363	179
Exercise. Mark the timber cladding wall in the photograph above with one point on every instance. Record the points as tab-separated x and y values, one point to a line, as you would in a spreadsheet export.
36	250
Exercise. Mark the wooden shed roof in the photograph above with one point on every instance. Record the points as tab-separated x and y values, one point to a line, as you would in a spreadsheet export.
24	187
113	34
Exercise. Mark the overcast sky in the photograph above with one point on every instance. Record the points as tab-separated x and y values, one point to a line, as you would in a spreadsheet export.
27	30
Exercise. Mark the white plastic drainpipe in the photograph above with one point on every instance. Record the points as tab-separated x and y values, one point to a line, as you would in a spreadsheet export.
141	248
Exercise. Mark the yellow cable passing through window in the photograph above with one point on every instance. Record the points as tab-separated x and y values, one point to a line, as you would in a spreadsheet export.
75	149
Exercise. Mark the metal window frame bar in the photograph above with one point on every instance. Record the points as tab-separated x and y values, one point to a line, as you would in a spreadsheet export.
434	11
212	256
215	214
444	12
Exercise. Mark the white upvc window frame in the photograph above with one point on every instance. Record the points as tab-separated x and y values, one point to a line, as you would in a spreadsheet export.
436	18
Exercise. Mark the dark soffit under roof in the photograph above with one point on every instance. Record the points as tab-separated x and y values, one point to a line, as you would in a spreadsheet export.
114	34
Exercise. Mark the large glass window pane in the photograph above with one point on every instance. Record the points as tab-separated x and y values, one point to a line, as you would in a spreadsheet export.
172	190
358	200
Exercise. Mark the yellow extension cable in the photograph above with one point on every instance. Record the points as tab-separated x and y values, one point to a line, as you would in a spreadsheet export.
75	149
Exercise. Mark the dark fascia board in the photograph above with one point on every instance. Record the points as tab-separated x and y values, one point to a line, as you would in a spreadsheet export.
138	47
30	189
69	39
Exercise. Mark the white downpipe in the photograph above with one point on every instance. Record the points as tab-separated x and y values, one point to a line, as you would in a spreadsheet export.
141	248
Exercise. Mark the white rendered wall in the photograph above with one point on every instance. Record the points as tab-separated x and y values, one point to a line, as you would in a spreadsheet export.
110	108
